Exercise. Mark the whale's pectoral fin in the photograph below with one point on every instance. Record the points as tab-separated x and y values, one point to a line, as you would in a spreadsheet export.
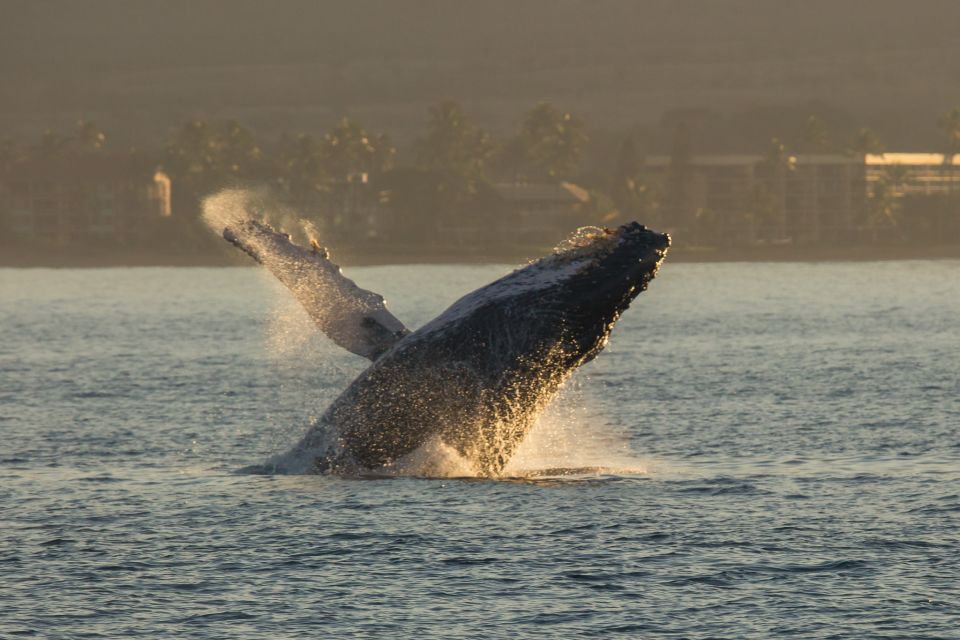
354	318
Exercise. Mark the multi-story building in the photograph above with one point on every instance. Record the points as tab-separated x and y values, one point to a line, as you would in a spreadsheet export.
800	198
68	198
925	174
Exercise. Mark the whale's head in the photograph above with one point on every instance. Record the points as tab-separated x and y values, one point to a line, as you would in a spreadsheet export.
568	300
596	275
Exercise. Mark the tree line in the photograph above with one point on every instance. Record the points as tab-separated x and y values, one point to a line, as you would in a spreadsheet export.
447	171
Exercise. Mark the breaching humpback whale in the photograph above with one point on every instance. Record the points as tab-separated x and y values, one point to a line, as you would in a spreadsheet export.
477	375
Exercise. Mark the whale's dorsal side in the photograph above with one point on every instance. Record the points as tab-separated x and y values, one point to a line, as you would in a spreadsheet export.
354	318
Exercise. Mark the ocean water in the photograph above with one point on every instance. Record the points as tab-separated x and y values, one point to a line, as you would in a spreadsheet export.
764	450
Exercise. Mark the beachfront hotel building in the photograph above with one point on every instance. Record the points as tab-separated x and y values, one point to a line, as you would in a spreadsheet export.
70	198
808	198
912	174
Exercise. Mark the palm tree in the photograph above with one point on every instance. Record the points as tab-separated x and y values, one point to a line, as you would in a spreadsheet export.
240	155
194	161
90	136
348	149
8	153
552	142
193	148
884	202
950	123
816	136
201	158
51	143
865	142
301	166
454	144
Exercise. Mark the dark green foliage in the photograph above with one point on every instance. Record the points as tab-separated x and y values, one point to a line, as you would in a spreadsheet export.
865	142
349	149
816	136
454	144
549	145
418	201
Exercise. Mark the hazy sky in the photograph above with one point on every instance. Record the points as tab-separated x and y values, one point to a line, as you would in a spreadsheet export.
136	66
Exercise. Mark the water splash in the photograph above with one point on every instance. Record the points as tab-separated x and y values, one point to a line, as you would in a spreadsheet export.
290	332
568	440
558	446
584	237
589	243
434	459
232	207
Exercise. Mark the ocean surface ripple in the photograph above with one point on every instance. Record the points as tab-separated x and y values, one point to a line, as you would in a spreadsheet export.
765	450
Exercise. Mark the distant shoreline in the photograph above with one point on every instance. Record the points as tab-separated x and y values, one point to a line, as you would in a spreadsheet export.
73	257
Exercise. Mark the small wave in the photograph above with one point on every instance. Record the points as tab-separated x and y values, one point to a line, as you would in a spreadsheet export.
87	395
740	488
57	542
730	577
100	478
906	544
566	472
823	567
219	616
462	561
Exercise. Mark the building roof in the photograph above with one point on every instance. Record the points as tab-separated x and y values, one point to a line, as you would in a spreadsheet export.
526	192
746	159
914	159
